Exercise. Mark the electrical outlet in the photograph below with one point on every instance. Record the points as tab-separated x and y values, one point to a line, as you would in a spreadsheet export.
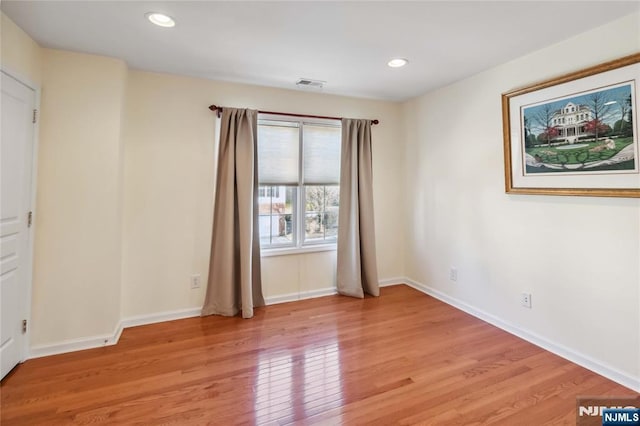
195	281
525	300
453	274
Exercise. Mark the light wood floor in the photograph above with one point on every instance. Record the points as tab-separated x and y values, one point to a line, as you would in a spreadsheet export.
402	358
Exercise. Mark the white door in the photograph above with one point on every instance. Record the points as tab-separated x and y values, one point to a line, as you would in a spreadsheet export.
16	157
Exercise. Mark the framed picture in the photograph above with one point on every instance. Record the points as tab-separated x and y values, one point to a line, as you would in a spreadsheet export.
576	134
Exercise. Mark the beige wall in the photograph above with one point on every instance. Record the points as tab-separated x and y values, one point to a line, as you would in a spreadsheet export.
76	281
169	176
579	257
20	54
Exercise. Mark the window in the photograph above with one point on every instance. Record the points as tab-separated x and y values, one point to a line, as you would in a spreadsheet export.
299	176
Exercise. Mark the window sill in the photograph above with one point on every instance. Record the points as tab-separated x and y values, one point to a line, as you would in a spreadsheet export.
297	250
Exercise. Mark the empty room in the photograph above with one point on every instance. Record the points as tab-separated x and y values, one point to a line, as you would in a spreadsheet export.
319	212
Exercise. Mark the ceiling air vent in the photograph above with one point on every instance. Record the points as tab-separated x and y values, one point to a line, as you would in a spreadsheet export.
307	83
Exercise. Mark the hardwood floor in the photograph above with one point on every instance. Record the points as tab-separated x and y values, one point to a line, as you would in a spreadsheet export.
403	358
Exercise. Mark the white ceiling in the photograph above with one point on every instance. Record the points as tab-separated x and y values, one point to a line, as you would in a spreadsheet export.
346	44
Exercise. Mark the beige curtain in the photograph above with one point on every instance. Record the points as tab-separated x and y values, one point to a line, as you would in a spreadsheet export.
357	270
234	270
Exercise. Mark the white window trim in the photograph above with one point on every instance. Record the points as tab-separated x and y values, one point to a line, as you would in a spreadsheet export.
300	247
286	251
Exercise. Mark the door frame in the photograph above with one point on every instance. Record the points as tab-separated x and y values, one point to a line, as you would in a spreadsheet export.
32	202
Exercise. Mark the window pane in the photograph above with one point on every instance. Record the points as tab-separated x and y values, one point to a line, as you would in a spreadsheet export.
276	215
278	151
321	213
321	154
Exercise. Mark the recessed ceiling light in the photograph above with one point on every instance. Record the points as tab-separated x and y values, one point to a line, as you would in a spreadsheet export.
161	19
397	62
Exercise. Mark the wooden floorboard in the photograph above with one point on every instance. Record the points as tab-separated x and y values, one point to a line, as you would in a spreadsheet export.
403	358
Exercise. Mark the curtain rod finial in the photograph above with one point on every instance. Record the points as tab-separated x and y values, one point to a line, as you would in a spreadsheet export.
216	109
375	121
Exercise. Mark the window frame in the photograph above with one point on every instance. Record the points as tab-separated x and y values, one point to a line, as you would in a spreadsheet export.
299	244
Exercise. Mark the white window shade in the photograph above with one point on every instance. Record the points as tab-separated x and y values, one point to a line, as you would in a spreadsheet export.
278	153
321	154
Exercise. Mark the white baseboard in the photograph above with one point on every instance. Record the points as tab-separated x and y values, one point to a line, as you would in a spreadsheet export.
392	281
137	320
73	345
292	297
99	341
583	360
328	291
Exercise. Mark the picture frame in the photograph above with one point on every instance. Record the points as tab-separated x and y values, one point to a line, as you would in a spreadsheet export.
576	134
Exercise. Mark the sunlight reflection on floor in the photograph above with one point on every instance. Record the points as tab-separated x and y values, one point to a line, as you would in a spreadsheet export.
290	387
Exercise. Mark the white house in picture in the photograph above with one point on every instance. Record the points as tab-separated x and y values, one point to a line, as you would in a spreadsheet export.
570	122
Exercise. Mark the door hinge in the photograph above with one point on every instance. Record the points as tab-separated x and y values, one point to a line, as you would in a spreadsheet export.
35	116
24	326
29	219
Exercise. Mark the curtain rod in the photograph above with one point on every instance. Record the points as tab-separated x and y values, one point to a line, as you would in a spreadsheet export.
218	110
